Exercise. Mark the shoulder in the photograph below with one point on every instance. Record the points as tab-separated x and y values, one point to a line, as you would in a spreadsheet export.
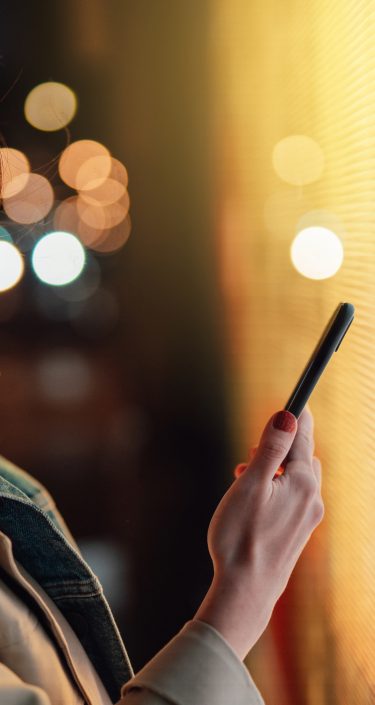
24	482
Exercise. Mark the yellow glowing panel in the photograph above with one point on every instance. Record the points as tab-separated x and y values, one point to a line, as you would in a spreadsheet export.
285	69
298	160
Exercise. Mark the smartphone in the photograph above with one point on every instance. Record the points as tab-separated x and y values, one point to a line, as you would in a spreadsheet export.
329	342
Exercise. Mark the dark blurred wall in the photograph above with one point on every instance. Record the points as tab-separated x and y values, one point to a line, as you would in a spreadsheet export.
155	457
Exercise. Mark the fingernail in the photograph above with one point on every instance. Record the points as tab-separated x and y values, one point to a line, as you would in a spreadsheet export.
284	421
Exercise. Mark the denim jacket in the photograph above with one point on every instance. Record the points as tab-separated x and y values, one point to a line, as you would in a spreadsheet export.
43	544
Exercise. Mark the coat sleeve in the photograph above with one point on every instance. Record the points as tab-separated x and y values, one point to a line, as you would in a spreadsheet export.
197	667
14	691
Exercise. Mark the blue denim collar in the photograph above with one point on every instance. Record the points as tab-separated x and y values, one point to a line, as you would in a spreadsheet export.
40	545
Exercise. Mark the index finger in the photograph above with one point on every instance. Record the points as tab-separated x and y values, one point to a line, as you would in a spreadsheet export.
303	445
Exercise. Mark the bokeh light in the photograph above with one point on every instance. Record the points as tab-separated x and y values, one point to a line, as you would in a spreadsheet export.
32	203
85	285
58	258
113	239
15	169
5	235
64	376
104	217
50	106
67	218
110	563
103	193
317	252
104	240
11	265
282	211
298	160
95	168
74	157
321	218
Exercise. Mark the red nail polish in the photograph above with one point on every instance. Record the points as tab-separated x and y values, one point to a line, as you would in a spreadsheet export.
284	421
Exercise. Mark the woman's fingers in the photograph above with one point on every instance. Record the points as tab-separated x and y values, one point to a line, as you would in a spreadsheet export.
251	453
317	470
239	469
303	446
274	445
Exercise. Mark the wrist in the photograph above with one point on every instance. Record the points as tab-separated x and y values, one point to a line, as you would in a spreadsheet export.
238	616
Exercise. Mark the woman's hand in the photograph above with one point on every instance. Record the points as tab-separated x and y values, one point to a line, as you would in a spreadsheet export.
259	530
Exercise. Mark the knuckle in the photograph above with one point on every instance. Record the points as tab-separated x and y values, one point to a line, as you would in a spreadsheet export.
307	486
273	449
318	511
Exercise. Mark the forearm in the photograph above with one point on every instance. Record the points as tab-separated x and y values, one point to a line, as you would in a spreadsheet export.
239	616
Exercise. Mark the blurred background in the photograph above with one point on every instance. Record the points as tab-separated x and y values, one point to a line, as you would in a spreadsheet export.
213	164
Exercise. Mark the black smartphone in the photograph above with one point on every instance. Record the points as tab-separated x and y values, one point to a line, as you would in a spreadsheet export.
329	342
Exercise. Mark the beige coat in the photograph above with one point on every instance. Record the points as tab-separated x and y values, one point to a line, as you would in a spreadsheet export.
42	662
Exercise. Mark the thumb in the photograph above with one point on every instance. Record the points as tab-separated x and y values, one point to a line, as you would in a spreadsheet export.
274	444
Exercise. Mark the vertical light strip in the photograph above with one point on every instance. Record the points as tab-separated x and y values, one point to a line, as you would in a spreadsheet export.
308	69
